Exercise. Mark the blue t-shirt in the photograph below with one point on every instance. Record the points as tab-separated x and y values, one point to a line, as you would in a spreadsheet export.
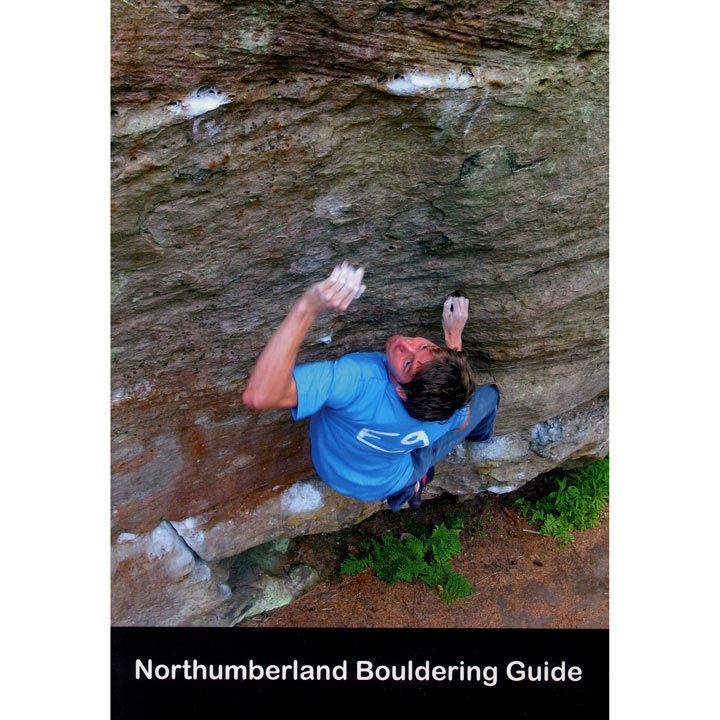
360	433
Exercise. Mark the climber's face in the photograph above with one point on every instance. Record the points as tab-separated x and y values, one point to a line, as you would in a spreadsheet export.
405	356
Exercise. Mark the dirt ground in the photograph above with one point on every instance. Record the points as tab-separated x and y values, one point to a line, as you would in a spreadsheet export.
520	579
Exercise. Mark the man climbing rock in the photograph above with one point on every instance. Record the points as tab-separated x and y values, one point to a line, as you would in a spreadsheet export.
379	422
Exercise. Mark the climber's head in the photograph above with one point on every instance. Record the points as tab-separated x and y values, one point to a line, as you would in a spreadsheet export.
433	382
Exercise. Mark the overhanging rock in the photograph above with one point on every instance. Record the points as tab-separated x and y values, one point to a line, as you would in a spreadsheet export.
194	591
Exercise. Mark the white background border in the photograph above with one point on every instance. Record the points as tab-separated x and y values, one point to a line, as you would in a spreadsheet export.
55	309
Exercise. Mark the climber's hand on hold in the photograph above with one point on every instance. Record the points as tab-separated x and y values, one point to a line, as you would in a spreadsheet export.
335	293
455	315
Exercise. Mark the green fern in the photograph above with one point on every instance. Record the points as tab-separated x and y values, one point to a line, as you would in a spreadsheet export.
423	557
575	504
354	565
434	575
456	586
444	543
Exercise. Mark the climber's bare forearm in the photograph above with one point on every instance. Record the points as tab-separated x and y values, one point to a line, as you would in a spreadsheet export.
271	385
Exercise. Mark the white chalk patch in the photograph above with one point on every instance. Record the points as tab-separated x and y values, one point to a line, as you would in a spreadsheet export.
198	102
187	529
205	129
496	448
458	453
419	83
501	489
162	540
180	563
201	572
125	537
225	590
139	391
302	497
329	206
326	339
186	524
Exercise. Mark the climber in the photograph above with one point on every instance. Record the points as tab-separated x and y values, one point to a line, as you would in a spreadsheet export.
379	422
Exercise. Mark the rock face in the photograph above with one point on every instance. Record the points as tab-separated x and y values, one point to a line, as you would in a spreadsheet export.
254	145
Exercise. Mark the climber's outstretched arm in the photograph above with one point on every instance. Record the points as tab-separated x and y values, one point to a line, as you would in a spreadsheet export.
455	315
271	385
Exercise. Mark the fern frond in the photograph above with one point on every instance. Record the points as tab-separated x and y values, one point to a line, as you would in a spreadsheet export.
355	565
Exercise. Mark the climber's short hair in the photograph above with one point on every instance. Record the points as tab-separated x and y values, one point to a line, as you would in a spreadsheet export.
440	387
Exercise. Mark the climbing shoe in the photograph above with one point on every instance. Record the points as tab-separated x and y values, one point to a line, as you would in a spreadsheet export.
412	494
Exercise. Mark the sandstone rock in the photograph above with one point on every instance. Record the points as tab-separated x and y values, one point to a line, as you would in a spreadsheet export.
305	507
506	462
156	580
260	581
257	144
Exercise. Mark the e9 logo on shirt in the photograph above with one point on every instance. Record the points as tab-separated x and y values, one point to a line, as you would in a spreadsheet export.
418	436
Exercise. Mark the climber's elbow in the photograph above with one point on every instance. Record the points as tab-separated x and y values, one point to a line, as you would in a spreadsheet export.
253	400
272	398
259	401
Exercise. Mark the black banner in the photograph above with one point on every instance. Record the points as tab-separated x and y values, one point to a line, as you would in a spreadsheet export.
191	672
